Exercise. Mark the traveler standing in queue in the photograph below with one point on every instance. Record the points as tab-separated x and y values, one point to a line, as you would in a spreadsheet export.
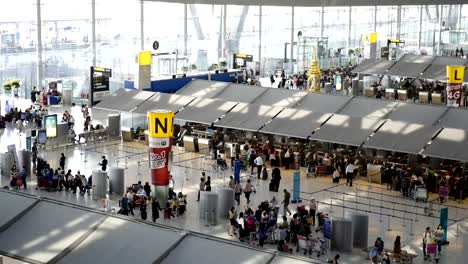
147	189
248	190
202	187
103	163
231	183
287	198
34	154
237	192
155	208
439	234
232	220
62	161
349	174
275	179
23	176
313	209
259	163
143	212
208	184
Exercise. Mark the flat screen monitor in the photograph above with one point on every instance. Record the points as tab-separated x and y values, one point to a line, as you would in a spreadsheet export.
51	125
42	136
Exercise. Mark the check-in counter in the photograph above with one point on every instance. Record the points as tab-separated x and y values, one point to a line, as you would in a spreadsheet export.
423	97
389	94
369	92
190	144
402	95
204	146
437	99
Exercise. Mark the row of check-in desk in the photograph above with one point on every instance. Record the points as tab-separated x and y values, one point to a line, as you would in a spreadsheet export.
423	97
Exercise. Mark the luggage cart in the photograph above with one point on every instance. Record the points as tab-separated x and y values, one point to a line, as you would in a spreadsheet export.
432	253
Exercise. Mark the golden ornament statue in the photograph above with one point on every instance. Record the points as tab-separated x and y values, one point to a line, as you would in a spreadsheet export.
313	81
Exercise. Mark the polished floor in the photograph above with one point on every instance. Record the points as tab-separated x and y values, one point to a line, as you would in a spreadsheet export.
389	214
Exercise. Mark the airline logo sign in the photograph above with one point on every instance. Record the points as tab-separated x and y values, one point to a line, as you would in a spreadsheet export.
455	77
161	125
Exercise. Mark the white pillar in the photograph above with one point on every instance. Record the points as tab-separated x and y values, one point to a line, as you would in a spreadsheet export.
142	25
420	26
39	44
322	21
441	11
398	33
291	55
93	31
349	27
375	19
185	30
260	39
224	52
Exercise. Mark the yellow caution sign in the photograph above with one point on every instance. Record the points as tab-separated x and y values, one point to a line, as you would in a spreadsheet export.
144	58
371	38
160	124
455	74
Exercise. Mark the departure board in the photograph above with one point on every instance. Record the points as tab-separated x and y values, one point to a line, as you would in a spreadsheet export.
99	84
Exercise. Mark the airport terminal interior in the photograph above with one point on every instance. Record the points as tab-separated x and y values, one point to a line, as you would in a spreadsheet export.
215	131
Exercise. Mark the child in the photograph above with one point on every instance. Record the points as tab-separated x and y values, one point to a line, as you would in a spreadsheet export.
168	211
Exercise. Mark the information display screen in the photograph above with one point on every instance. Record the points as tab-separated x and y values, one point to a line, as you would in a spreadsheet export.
51	125
240	60
42	137
99	84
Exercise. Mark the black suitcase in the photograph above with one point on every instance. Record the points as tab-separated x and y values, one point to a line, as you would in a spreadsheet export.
336	180
272	187
264	174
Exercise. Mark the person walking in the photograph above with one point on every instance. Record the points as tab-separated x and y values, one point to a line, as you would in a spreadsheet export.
248	190
62	161
231	183
34	155
237	192
439	234
427	237
103	163
259	164
349	174
147	189
202	187
285	202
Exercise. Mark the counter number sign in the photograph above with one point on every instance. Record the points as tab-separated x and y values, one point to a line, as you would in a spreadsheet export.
155	45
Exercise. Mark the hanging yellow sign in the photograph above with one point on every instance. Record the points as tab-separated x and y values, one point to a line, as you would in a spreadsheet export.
161	124
455	74
144	58
371	38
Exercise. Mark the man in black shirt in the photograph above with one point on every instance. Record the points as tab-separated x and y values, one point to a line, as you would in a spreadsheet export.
103	163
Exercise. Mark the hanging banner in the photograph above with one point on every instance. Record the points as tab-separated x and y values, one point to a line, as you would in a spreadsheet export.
455	77
297	186
160	125
444	221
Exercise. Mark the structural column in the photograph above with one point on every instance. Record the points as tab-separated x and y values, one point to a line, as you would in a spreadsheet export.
398	33
349	27
224	52
322	21
142	25
441	14
39	44
93	31
260	39
375	19
291	55
185	30
420	27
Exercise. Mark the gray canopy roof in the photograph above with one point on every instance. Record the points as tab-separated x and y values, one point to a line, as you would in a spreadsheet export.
322	103
202	88
46	230
417	113
121	241
455	118
9	212
402	137
250	117
451	144
205	111
368	108
438	68
172	102
241	93
295	123
57	232
280	97
377	67
346	130
124	100
410	65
